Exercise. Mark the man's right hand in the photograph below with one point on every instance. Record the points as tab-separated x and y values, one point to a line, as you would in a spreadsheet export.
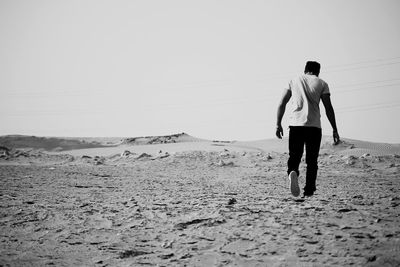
336	138
279	131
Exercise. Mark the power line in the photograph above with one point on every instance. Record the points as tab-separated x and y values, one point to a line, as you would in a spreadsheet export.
363	62
366	88
367	107
266	98
342	67
364	83
335	68
222	83
218	83
362	67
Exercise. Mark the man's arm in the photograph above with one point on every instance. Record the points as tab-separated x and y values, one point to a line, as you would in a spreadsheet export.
330	113
287	94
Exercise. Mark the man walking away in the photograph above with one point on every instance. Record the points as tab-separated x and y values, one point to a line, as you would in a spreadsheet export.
305	93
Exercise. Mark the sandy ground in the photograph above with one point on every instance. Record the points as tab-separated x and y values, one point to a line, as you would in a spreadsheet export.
211	205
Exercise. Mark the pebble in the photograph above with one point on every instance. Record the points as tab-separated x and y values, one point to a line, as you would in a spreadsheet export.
232	201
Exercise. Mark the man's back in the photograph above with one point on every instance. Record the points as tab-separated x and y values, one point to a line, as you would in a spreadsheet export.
306	93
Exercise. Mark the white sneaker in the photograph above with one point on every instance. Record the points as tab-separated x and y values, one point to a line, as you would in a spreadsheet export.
294	184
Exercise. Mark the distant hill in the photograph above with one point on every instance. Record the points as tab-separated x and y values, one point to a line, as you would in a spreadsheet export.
46	143
59	144
359	148
346	147
183	141
162	139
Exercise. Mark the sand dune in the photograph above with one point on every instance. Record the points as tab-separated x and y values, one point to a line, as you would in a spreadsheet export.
166	139
47	143
182	142
359	148
196	202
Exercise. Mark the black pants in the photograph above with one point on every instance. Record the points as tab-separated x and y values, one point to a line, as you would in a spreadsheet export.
311	138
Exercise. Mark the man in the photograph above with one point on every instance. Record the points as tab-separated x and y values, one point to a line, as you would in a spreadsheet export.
305	93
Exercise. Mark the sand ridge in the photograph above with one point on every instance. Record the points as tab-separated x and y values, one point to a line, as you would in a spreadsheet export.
80	146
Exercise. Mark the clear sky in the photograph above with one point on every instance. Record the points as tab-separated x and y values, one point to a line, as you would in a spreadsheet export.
213	69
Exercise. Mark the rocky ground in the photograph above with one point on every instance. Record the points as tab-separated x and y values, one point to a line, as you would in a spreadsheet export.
197	208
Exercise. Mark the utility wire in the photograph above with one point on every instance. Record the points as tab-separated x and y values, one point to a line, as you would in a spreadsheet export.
231	83
362	62
365	88
364	83
362	67
265	99
367	107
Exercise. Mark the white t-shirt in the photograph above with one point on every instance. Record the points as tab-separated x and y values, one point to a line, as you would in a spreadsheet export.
304	103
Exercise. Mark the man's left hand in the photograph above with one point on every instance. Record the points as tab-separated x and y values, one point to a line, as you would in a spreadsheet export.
279	131
336	138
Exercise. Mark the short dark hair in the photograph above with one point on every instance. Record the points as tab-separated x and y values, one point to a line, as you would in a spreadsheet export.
312	66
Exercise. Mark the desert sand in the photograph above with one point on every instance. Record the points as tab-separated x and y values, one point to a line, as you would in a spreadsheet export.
182	201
